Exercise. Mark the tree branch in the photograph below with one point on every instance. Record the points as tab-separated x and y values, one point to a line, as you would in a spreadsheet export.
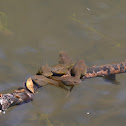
105	70
23	95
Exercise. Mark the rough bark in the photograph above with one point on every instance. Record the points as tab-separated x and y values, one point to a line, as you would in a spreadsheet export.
105	70
23	95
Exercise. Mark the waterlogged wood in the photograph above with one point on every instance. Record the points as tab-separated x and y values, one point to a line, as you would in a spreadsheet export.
105	70
23	95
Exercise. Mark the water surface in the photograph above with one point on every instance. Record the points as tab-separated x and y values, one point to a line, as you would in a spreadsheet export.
86	29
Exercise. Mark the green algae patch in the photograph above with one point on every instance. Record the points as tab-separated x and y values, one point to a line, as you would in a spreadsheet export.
4	24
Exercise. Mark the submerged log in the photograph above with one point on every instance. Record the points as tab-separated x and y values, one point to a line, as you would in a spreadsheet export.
23	95
19	96
105	70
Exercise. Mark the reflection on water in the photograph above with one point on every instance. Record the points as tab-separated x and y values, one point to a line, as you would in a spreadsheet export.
93	30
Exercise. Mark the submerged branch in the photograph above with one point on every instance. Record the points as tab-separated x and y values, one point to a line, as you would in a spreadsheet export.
23	94
105	70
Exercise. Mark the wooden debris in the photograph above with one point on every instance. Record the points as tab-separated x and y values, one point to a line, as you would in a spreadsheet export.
27	91
105	70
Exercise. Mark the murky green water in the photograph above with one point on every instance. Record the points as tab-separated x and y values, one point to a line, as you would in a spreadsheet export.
94	30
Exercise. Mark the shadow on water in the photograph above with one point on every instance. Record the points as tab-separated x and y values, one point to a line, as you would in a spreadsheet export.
112	79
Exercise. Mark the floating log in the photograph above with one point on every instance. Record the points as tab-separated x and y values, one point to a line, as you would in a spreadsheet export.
19	96
105	70
23	95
